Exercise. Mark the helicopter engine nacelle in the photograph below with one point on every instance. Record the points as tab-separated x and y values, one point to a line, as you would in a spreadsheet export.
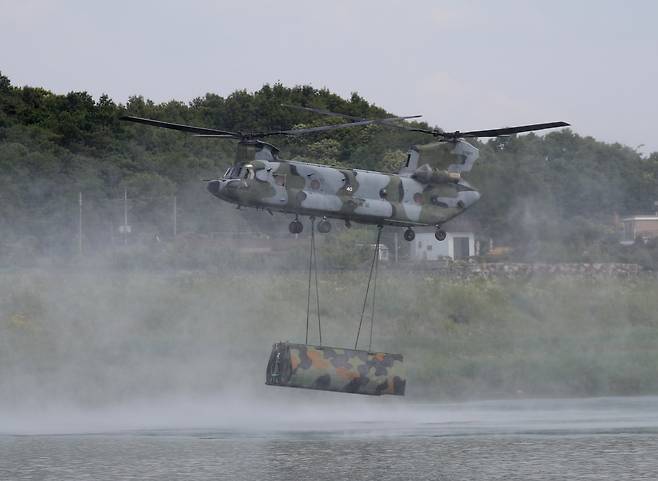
440	162
427	175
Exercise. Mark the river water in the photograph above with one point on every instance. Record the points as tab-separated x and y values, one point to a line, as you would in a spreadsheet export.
607	438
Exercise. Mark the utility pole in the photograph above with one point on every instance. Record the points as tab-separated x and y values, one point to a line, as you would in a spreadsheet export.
396	247
80	223
125	217
175	227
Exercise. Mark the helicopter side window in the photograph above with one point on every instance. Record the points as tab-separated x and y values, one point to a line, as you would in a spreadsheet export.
280	179
247	172
262	175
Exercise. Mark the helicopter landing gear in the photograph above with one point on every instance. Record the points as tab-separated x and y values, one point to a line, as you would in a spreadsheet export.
295	227
324	226
409	234
440	234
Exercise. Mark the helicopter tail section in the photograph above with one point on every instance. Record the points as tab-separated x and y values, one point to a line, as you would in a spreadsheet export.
442	159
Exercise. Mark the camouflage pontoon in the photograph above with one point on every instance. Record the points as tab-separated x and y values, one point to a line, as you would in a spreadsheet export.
335	369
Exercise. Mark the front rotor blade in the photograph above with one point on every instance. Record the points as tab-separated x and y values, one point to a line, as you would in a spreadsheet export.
321	111
217	136
505	130
181	127
425	131
325	128
336	114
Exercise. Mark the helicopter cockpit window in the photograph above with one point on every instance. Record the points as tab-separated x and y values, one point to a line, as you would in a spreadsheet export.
229	172
233	173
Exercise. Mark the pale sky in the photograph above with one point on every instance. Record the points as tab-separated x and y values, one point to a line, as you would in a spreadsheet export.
463	65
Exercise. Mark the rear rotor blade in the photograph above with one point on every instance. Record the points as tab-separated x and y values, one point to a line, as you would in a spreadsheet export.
492	132
508	130
181	127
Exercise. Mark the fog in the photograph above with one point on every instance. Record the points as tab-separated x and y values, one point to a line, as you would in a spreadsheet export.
109	341
166	333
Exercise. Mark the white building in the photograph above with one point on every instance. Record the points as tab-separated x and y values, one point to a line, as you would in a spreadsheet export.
457	245
639	228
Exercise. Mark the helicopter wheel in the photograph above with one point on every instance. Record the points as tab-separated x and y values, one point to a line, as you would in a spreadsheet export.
295	227
324	226
409	234
440	235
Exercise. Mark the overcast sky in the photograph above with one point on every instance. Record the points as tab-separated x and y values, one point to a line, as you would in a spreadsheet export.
463	65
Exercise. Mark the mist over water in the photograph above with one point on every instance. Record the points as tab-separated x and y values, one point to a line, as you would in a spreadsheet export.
305	435
109	373
103	334
150	358
275	412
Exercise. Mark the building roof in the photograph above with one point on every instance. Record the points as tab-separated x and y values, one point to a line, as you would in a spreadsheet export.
641	217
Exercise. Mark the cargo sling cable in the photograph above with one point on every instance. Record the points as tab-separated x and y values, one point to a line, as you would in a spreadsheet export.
313	274
313	266
373	266
332	368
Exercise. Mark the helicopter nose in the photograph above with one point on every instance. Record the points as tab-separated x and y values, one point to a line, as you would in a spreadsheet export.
214	186
469	197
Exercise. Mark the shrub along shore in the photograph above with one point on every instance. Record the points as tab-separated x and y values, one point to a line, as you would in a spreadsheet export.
98	337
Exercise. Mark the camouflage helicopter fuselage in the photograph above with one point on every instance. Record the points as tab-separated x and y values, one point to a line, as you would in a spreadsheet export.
428	190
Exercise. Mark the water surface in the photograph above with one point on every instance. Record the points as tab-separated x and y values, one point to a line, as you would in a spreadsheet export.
612	438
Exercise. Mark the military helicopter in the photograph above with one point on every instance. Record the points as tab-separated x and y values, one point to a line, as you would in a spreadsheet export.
428	190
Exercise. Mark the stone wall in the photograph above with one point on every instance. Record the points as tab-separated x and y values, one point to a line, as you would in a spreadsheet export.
518	270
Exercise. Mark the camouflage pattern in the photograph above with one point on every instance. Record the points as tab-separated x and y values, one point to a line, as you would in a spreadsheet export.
334	369
428	190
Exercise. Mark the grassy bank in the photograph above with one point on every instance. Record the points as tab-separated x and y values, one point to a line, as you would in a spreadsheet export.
99	337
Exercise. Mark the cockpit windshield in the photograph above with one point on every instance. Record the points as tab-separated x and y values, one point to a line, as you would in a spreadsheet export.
232	172
240	172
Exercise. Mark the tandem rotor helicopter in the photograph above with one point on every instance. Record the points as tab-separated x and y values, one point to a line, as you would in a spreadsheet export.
428	190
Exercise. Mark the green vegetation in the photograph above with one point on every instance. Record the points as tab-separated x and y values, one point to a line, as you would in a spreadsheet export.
150	327
101	338
551	198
